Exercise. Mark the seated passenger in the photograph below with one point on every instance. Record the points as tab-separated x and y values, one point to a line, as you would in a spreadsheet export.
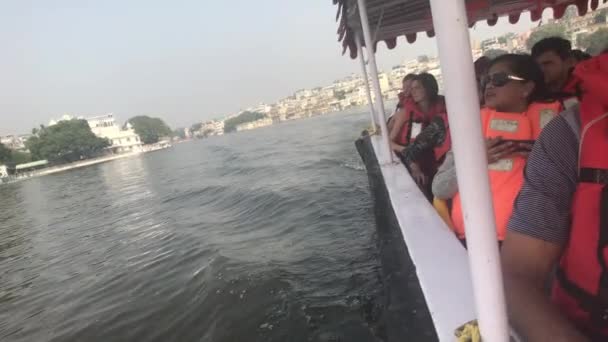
560	217
443	206
515	113
425	134
554	56
399	117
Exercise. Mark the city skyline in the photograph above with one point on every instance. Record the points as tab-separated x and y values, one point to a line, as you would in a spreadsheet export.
54	71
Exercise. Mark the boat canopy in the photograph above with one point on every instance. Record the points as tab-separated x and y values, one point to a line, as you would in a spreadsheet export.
390	19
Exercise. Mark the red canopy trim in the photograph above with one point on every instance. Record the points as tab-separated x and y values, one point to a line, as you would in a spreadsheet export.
408	17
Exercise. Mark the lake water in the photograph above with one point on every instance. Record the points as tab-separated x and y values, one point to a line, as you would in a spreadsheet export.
265	235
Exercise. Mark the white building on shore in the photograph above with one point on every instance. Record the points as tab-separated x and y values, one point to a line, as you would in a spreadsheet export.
254	124
210	128
122	140
3	172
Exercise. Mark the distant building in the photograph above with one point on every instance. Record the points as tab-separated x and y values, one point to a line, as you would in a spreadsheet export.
210	128
15	142
385	84
122	140
254	124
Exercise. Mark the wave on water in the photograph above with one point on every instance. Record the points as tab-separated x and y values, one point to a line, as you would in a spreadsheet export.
265	235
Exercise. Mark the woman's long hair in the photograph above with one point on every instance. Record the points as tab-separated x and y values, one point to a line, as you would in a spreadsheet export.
429	83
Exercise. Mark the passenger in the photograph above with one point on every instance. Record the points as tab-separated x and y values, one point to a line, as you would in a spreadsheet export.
560	217
554	55
444	206
580	55
516	111
399	118
425	134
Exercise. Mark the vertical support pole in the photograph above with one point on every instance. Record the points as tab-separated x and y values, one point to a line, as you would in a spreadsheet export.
451	28
373	70
368	92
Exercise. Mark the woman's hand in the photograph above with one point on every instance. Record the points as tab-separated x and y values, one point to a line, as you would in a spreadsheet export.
417	174
498	149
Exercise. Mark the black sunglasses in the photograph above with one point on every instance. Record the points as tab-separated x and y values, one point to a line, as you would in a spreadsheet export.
499	79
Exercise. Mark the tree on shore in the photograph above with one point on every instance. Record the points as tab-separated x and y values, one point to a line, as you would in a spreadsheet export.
150	130
196	127
230	124
545	31
179	132
65	142
20	157
5	154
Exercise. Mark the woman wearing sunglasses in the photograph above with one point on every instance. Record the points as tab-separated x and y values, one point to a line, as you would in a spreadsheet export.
422	139
516	109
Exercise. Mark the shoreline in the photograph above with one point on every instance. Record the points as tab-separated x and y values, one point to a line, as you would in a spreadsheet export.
76	165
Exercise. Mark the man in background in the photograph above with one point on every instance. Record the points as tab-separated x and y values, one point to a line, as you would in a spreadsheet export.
554	56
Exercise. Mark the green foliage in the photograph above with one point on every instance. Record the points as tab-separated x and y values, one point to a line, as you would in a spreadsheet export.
491	54
19	157
599	18
230	124
180	133
502	40
196	127
340	94
5	154
11	157
596	42
545	31
150	130
65	142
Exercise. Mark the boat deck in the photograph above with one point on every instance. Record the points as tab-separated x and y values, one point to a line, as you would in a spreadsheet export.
439	261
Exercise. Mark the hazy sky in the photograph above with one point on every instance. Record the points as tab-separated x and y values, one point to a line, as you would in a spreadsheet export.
181	60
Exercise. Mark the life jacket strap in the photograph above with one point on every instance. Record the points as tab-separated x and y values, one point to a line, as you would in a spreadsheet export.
596	176
590	303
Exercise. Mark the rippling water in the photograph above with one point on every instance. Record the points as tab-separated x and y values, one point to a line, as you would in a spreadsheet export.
265	235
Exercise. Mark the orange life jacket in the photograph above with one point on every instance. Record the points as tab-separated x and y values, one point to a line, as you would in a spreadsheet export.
581	286
506	175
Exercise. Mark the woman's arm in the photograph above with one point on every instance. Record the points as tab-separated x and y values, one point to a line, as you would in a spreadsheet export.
430	137
399	119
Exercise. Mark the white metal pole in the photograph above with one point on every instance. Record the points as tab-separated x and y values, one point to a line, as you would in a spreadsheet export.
372	112
451	27
373	69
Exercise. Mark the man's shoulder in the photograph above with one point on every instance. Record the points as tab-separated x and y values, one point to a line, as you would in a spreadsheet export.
564	128
542	208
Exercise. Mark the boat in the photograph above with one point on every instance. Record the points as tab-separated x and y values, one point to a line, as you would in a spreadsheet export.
458	285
